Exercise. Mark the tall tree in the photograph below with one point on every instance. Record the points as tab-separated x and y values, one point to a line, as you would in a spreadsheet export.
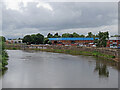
90	35
34	39
75	34
39	38
103	37
49	35
27	39
56	35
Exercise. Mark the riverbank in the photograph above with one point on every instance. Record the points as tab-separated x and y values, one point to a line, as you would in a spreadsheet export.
3	60
74	52
3	56
105	53
86	53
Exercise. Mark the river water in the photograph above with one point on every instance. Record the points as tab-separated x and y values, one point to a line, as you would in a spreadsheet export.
37	69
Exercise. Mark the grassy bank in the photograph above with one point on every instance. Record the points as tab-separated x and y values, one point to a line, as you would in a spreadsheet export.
13	48
3	56
3	60
74	52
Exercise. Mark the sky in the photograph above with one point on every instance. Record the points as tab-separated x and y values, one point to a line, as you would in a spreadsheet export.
20	17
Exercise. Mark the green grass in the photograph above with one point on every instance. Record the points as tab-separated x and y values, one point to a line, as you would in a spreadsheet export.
13	48
74	52
3	56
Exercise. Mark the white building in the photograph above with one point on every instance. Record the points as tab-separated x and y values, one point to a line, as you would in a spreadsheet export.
13	41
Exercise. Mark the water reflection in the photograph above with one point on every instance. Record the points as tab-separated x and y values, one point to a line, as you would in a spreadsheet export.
102	70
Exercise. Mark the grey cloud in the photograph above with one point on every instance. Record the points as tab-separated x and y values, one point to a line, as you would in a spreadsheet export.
64	16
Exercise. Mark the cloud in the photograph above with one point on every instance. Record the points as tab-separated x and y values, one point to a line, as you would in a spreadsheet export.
37	17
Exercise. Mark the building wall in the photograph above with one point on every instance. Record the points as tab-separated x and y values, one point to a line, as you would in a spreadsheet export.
75	41
111	42
13	41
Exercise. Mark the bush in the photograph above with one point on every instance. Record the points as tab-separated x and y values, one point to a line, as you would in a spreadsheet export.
14	48
3	55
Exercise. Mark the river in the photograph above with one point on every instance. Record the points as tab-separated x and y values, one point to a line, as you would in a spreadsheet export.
37	69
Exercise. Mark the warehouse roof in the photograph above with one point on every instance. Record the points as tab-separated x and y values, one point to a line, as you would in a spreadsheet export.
72	38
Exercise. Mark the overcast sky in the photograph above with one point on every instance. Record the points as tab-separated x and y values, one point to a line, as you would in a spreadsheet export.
22	18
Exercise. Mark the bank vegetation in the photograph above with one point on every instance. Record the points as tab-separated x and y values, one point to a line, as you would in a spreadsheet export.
3	54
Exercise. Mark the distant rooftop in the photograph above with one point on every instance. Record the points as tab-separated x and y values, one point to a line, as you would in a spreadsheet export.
72	38
114	38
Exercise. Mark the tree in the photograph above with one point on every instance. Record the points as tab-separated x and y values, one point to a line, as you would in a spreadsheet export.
46	40
39	38
49	35
34	39
90	35
3	38
82	35
75	34
49	42
67	35
103	36
115	36
56	35
27	39
19	38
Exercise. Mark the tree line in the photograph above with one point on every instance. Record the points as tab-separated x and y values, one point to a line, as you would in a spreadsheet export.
66	35
40	39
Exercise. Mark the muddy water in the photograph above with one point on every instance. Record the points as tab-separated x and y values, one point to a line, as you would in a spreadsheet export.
37	69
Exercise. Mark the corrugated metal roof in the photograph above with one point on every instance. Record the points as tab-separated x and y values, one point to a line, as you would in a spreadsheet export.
72	38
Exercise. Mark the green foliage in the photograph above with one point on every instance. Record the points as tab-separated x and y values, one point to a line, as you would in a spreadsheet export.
98	54
67	35
3	54
14	48
115	36
27	39
34	39
3	39
49	35
103	36
90	35
77	52
75	34
49	42
56	35
82	35
39	38
46	40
